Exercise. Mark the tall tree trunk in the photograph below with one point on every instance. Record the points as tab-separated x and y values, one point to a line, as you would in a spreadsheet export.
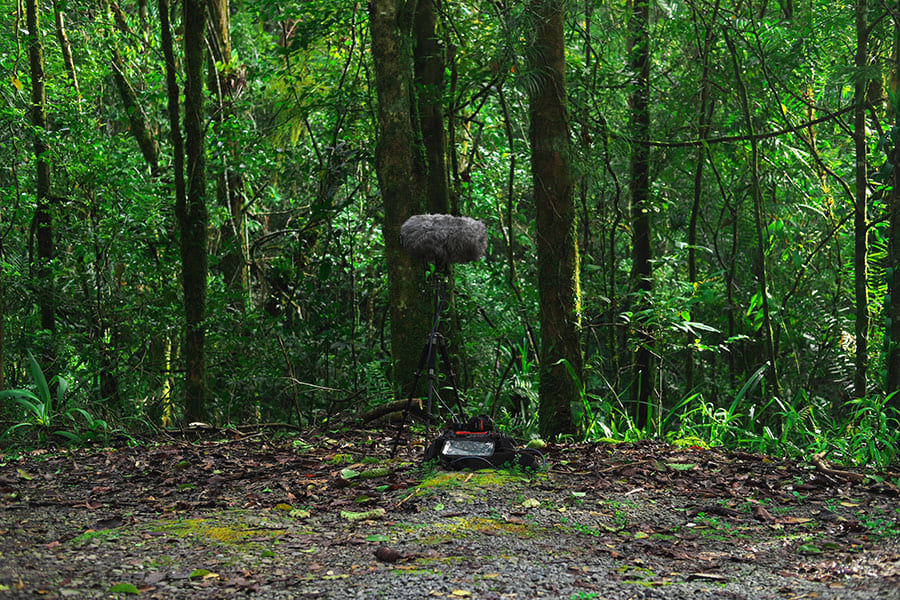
399	178
642	271
429	69
558	278
861	222
161	347
222	82
756	193
892	332
704	118
2	310
509	234
192	213
43	221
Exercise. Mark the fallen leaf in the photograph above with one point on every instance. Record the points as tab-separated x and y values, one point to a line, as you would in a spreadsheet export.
373	473
349	473
681	466
199	573
707	577
794	520
809	549
375	513
124	588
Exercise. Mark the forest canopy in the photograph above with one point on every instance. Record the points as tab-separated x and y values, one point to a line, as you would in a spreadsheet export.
691	207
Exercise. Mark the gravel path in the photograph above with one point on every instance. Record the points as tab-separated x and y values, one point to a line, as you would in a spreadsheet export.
271	522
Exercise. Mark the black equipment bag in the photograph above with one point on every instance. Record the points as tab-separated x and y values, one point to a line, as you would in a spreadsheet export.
475	445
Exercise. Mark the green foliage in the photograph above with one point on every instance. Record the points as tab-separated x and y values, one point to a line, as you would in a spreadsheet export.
38	404
305	338
46	417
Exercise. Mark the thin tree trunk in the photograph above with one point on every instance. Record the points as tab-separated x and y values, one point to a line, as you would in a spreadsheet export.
892	332
704	117
2	309
558	278
642	271
65	47
512	278
43	220
400	181
756	192
165	348
222	81
861	222
137	121
192	213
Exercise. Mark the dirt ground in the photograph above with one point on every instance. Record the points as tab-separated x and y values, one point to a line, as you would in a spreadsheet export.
331	515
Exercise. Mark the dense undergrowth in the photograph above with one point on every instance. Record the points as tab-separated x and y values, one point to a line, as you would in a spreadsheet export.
864	434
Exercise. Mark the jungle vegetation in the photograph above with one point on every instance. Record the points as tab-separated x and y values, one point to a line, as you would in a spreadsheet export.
692	206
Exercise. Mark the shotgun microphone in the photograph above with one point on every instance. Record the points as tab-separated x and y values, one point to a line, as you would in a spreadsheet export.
443	239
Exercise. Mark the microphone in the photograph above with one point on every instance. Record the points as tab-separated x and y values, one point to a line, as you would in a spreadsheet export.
443	239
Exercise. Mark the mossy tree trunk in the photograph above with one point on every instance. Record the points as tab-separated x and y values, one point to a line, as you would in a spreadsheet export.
429	77
643	385
192	213
558	282
65	47
400	178
42	225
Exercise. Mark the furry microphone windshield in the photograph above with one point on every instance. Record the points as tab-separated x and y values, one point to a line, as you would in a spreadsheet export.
444	239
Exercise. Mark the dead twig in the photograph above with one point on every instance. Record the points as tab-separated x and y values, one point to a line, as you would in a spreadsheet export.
819	461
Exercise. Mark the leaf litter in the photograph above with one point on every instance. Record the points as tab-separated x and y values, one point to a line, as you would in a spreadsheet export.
333	516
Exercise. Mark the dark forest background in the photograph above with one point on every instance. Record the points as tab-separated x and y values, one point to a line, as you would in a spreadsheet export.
200	202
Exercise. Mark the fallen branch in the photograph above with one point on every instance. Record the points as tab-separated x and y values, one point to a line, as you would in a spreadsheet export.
819	461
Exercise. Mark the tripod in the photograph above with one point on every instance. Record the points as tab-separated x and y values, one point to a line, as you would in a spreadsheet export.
434	344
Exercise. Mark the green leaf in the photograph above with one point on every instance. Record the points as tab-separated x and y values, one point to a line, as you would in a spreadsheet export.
37	375
124	588
681	466
373	473
199	573
375	513
349	474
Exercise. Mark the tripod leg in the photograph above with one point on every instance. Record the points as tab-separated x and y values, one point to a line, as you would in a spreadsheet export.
423	360
445	356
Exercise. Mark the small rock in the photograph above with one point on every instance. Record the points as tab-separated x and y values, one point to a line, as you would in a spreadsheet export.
388	555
